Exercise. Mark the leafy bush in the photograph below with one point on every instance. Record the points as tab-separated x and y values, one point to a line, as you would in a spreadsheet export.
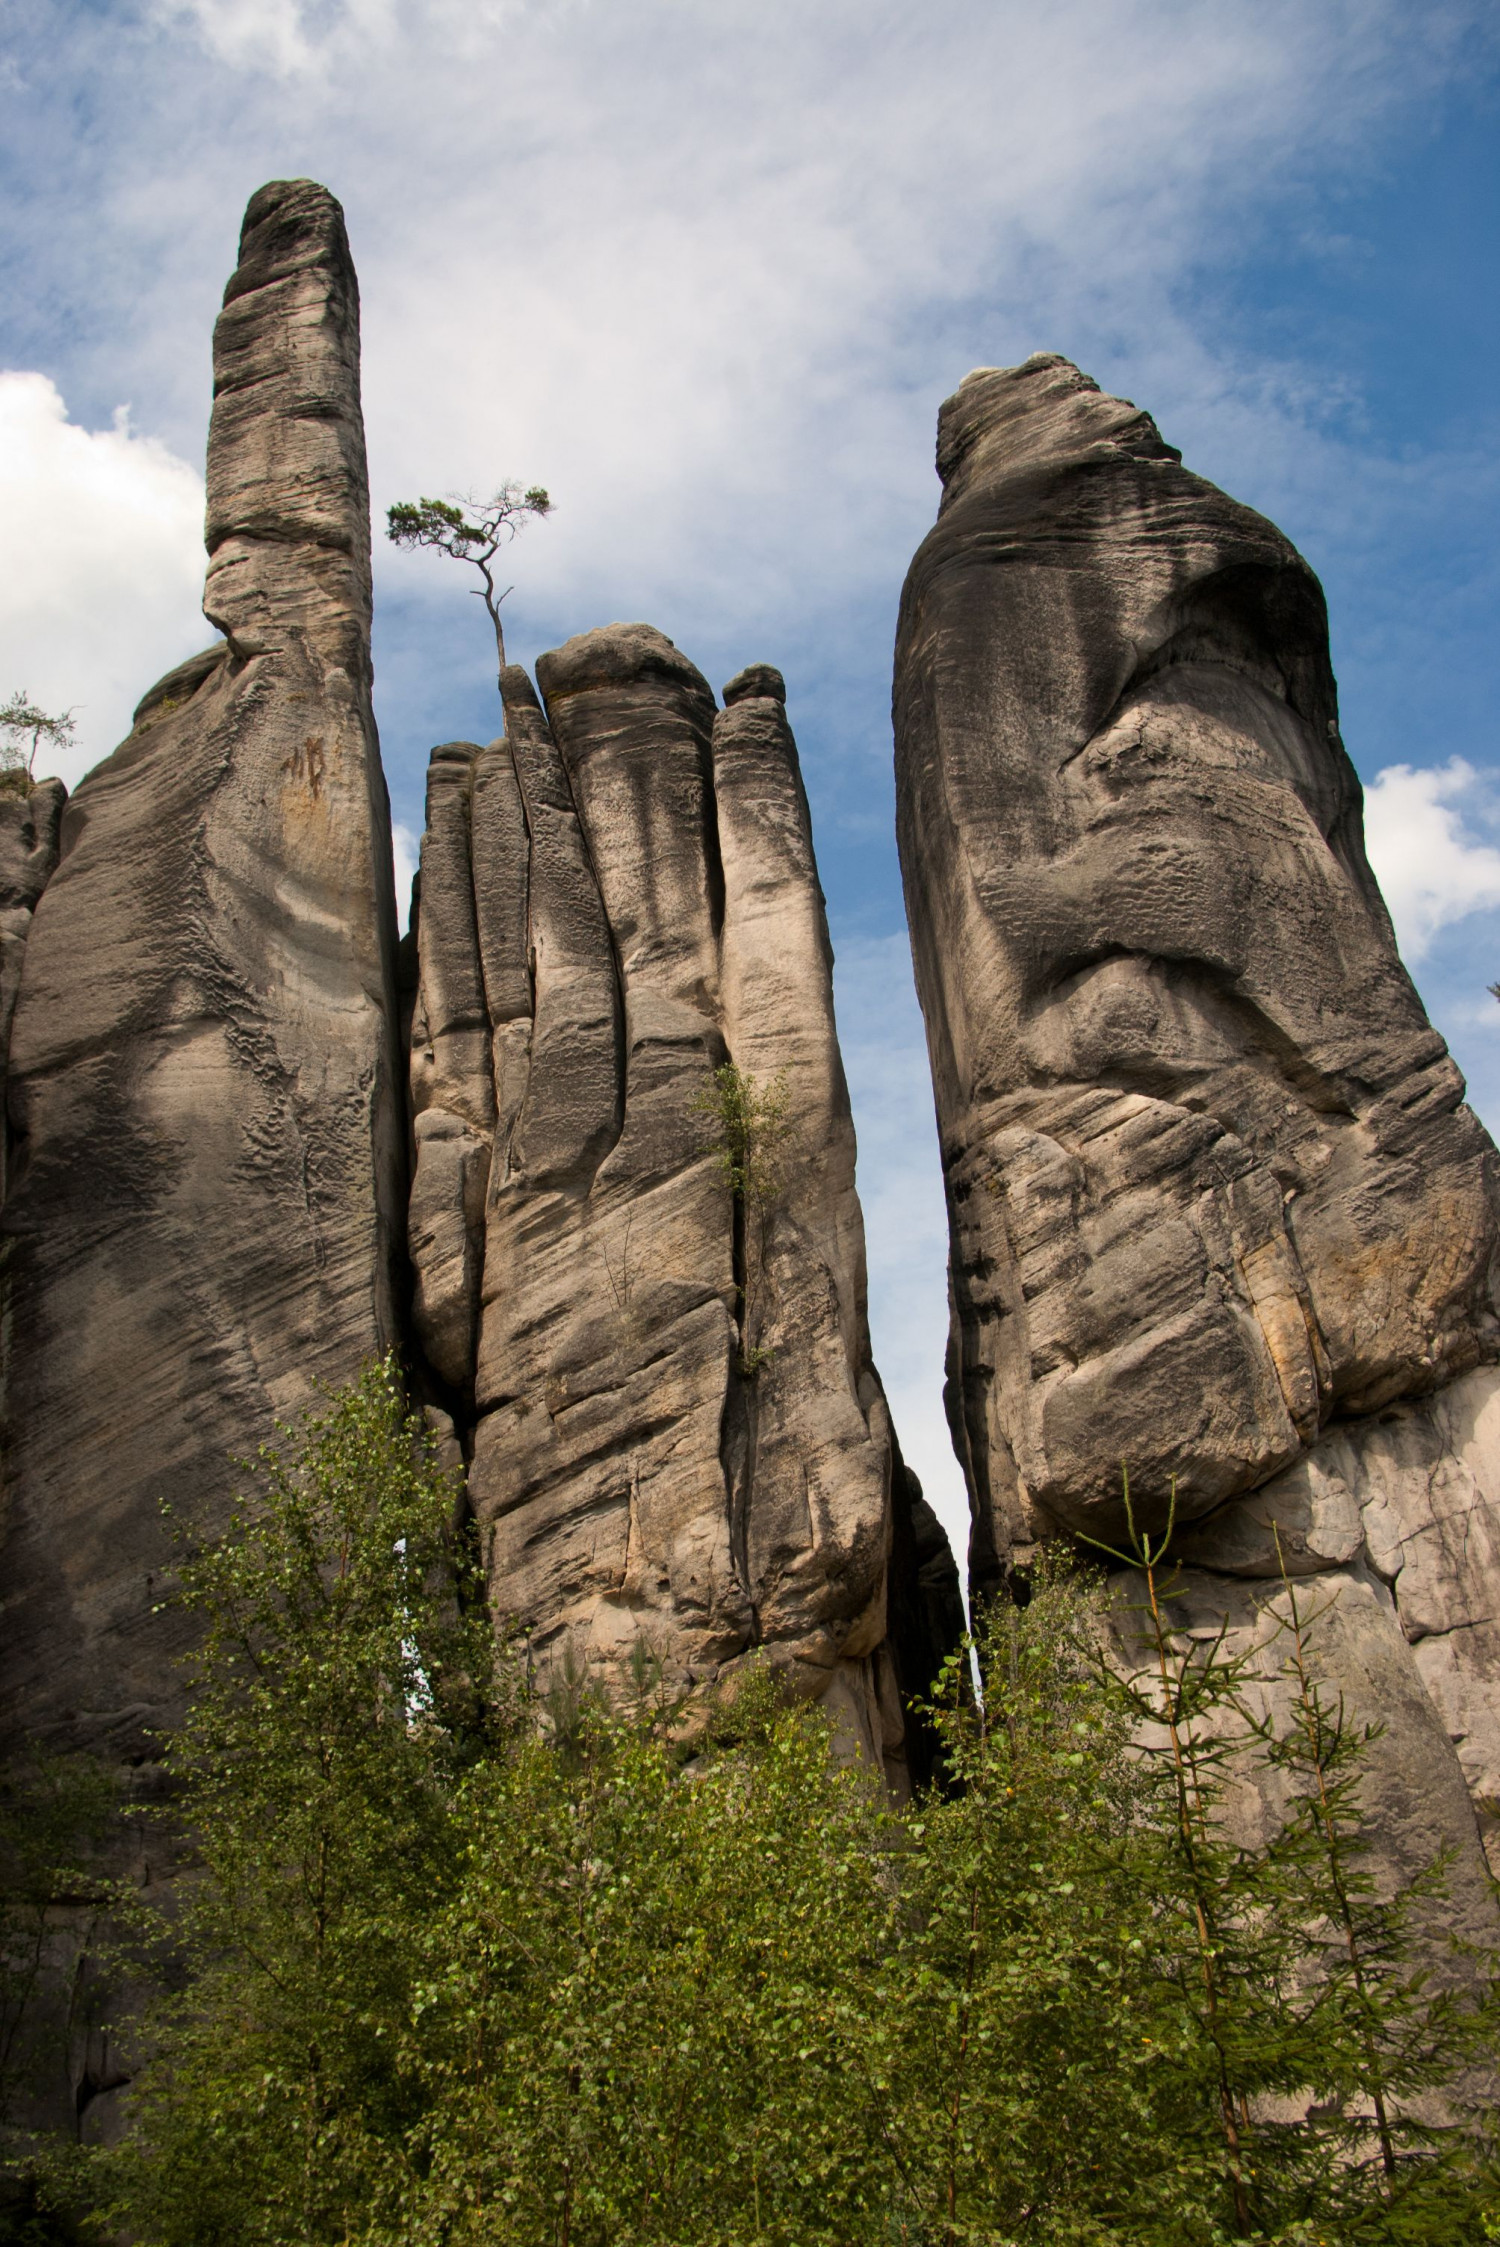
460	1965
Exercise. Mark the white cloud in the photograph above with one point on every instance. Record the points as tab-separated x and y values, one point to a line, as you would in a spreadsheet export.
1430	866
707	272
285	37
101	563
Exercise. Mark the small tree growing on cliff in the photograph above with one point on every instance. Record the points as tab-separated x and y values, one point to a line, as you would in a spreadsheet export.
23	729
470	530
750	1131
1303	2000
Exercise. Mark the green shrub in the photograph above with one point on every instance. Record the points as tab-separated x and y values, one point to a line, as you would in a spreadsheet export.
463	1965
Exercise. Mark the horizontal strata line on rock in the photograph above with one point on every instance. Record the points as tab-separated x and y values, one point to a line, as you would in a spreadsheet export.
660	1355
318	386
285	534
631	1440
562	1525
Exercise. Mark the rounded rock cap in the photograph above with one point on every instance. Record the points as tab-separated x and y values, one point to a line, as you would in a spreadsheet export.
616	655
1044	413
290	225
761	679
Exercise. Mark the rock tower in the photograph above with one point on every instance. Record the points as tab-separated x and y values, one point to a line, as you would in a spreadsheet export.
663	1399
677	1433
204	1138
1218	1209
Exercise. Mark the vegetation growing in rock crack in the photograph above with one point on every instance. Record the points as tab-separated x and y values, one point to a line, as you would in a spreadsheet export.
462	1964
471	530
750	1128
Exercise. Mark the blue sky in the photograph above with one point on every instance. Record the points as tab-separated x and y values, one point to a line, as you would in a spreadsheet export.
707	272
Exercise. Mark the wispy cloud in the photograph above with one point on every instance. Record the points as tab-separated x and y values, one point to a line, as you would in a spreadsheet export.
706	272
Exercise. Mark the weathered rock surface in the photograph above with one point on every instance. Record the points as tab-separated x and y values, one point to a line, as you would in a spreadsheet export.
1212	1176
1217	1206
28	859
679	1437
1412	1791
1405	1505
205	1105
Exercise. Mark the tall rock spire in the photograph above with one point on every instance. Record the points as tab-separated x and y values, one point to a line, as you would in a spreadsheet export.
1218	1208
679	1439
206	1161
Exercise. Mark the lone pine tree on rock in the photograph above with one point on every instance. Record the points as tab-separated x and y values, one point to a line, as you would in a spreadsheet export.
470	530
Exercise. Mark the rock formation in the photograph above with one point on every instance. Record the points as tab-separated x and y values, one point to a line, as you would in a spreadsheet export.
675	1429
678	1435
29	823
1218	1209
206	1147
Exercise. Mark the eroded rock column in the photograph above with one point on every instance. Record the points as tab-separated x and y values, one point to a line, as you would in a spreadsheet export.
678	1434
207	1165
1218	1208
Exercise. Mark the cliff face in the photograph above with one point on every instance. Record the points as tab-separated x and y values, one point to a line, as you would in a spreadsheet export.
28	859
206	1159
678	1434
1217	1206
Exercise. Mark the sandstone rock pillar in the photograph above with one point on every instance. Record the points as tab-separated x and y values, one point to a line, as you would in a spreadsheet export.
678	1436
1218	1208
206	1138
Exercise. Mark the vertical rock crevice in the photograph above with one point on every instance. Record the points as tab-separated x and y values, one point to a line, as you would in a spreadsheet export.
29	841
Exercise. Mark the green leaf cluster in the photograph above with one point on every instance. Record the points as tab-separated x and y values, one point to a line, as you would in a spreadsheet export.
465	528
23	729
471	530
462	1962
750	1125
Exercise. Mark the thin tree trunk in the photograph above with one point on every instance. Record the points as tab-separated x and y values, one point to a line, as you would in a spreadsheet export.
1311	1718
1189	1801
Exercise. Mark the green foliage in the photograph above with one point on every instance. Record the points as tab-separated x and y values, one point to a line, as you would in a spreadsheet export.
750	1128
1295	1983
466	528
23	728
55	1819
463	1963
470	530
1034	2084
345	1684
1394	2049
750	1131
651	1993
